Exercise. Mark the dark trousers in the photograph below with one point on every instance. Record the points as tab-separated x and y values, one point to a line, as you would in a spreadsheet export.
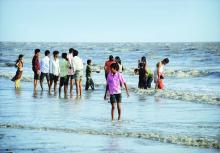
149	81
89	83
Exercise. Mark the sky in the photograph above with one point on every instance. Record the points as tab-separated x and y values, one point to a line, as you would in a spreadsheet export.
110	20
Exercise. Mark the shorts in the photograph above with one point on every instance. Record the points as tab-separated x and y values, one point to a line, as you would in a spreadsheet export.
36	76
64	81
71	77
42	75
53	77
78	75
115	98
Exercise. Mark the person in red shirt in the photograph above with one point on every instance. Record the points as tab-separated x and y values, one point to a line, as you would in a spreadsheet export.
107	65
36	67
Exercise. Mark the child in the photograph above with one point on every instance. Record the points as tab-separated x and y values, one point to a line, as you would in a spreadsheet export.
89	81
114	81
64	67
19	65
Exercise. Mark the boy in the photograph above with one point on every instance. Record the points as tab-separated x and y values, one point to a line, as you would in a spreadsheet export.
54	71
44	67
77	63
64	66
114	82
36	67
89	81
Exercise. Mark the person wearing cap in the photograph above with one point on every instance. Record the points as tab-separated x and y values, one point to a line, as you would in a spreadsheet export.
107	65
36	67
19	64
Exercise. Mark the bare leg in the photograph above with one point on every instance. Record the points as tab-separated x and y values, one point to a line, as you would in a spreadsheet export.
55	87
71	86
51	83
113	110
119	111
41	84
80	87
35	85
77	87
65	91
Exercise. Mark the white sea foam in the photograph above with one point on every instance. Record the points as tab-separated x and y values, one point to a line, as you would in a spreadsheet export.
150	135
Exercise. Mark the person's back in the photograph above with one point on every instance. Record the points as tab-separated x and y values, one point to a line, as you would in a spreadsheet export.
142	77
77	63
45	64
108	64
64	66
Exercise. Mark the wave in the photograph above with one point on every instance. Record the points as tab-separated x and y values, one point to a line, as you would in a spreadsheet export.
154	136
183	73
181	95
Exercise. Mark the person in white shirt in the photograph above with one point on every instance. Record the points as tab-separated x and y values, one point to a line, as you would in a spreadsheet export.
54	71
44	68
71	70
78	67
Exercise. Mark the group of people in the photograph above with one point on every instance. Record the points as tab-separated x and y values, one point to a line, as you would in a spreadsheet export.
146	75
69	70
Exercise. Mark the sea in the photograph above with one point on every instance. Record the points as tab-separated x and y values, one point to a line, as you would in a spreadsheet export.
183	118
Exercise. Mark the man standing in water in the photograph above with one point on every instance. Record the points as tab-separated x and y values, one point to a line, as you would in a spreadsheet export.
78	67
71	70
159	74
54	71
44	67
36	67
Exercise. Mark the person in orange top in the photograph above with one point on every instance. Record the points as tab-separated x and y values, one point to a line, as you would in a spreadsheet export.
107	65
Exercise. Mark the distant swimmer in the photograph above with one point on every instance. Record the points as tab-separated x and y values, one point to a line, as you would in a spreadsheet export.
19	64
159	74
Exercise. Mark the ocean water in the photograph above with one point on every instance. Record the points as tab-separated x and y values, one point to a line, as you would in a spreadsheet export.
185	117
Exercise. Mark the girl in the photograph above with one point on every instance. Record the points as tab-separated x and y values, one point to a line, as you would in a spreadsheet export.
19	65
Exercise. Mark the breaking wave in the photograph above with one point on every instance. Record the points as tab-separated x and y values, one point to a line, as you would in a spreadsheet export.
154	136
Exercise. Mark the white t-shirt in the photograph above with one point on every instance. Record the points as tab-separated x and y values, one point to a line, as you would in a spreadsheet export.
45	64
55	67
77	63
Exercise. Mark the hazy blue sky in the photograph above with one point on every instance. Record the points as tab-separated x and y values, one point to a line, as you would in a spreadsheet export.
110	20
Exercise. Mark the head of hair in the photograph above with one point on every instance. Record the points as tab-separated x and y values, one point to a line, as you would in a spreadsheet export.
36	51
89	61
114	66
111	58
143	59
75	52
64	55
71	50
117	59
47	52
165	61
55	53
20	56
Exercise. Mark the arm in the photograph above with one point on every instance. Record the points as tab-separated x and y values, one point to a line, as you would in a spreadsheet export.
106	89
126	89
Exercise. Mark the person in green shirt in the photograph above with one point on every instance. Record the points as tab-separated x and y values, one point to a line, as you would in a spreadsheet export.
89	81
64	67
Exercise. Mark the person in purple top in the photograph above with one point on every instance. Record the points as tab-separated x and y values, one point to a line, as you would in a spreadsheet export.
114	82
